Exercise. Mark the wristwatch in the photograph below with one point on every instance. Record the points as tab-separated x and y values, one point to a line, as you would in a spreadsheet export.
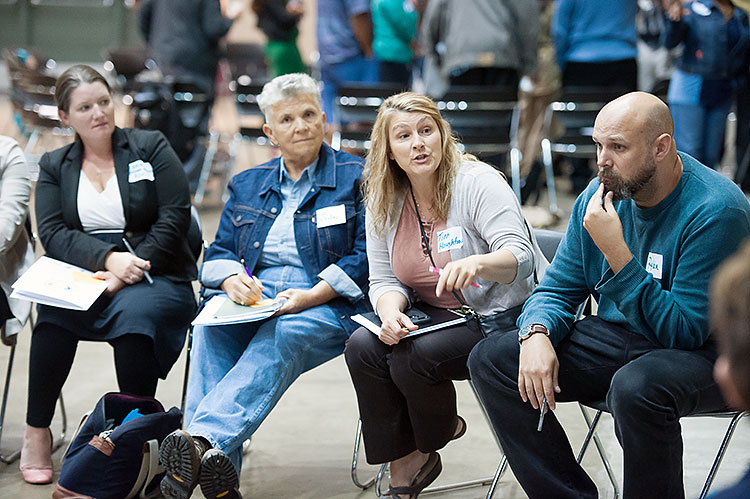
527	331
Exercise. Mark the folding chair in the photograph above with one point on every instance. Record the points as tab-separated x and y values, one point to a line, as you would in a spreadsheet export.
11	342
575	110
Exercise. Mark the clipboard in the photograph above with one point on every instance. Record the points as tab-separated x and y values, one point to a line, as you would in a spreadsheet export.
440	318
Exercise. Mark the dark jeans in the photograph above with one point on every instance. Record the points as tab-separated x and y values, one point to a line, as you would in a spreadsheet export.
490	76
405	392
394	72
647	390
51	357
622	74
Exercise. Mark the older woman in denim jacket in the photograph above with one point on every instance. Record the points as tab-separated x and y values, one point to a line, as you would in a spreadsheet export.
297	224
716	50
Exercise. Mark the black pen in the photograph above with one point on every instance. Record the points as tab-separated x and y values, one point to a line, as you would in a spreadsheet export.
541	414
132	252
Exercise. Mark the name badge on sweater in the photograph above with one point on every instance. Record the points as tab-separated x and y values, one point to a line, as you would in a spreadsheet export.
140	170
654	264
448	239
332	215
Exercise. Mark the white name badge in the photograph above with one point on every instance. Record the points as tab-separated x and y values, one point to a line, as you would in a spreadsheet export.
654	264
332	215
140	170
449	239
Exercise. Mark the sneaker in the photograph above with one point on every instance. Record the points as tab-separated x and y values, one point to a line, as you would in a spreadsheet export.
218	478
180	455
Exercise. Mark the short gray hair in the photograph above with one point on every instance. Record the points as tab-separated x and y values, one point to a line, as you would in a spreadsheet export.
285	87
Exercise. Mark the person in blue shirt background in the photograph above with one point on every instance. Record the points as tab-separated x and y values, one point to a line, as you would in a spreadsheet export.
716	50
643	240
297	224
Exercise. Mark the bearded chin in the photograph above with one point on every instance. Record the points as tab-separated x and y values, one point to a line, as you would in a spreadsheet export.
616	186
622	189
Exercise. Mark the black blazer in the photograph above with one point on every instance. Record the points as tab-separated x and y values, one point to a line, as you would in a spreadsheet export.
157	213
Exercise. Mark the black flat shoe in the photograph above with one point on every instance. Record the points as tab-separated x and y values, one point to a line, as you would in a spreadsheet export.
462	431
179	456
218	477
426	475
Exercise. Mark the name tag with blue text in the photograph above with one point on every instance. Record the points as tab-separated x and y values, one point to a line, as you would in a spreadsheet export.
448	239
140	170
654	264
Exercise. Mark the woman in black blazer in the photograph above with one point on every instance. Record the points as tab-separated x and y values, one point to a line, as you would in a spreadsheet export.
110	184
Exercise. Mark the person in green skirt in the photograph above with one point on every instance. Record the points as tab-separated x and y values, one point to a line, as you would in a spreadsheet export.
278	19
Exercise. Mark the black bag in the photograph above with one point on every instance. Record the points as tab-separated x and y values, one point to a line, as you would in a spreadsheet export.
111	459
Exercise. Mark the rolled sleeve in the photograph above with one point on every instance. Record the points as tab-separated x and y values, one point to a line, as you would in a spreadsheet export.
341	282
525	261
214	272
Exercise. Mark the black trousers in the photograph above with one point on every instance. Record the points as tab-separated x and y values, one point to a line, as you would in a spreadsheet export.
647	389
621	74
405	392
52	351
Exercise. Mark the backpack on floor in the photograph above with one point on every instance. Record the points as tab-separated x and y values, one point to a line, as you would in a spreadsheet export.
114	454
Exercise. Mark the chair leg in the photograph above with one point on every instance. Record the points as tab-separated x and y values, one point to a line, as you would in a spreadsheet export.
11	357
720	454
200	192
549	173
187	369
355	459
592	423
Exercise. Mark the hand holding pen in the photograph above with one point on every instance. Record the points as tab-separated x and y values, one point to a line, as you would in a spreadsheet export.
243	287
132	252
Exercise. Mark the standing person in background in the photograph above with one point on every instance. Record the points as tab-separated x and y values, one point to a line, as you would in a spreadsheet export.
278	19
395	26
487	42
742	173
16	254
345	46
716	45
595	45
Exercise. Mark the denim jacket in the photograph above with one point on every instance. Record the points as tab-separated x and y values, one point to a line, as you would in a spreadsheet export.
706	51
335	253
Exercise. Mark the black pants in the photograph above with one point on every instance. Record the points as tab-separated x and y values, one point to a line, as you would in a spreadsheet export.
405	392
52	351
646	388
616	74
742	174
490	76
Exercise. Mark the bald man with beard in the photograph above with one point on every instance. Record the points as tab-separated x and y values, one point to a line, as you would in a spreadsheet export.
644	239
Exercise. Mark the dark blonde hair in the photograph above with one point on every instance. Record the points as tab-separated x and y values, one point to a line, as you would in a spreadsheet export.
72	78
730	316
383	179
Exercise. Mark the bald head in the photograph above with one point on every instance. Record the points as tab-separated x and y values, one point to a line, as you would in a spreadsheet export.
640	111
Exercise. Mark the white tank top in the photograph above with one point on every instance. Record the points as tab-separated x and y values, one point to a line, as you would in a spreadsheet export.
100	211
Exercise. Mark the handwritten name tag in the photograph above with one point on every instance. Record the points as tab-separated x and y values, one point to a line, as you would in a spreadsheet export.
140	170
332	215
654	264
449	239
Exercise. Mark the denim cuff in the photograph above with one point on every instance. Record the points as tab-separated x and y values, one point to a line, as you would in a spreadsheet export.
341	282
214	272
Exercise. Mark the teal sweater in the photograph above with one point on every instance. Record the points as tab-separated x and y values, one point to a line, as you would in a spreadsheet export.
684	239
394	27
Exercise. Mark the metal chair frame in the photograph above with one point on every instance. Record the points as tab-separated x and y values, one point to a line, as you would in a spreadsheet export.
377	480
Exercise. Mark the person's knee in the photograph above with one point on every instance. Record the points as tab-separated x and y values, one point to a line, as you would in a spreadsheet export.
492	357
633	393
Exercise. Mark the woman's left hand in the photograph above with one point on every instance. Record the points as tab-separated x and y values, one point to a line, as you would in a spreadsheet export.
297	300
113	283
458	275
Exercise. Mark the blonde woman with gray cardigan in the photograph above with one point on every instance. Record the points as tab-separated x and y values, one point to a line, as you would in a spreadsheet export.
429	206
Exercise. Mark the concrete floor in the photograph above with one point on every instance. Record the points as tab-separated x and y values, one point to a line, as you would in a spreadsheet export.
303	450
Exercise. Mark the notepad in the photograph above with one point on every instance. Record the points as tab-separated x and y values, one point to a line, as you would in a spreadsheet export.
58	284
220	310
440	318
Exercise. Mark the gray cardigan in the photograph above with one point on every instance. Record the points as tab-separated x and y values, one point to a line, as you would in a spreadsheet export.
484	206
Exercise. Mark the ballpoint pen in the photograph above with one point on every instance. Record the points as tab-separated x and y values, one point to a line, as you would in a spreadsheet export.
132	252
541	414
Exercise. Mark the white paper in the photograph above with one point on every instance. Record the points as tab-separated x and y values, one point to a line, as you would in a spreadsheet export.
448	239
140	170
220	310
654	264
332	215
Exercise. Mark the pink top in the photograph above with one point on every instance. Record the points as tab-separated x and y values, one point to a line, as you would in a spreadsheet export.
411	263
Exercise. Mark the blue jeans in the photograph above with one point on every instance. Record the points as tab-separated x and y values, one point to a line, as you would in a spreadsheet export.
699	131
241	371
359	69
647	390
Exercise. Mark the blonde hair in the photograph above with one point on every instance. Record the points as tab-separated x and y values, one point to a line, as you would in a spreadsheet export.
383	179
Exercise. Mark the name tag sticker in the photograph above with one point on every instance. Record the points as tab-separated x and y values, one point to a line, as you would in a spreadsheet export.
140	170
332	215
654	264
449	239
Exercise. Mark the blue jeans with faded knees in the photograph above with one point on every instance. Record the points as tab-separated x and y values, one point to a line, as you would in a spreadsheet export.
241	371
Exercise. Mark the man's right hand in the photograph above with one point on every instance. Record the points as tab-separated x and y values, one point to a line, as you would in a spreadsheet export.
242	289
537	371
